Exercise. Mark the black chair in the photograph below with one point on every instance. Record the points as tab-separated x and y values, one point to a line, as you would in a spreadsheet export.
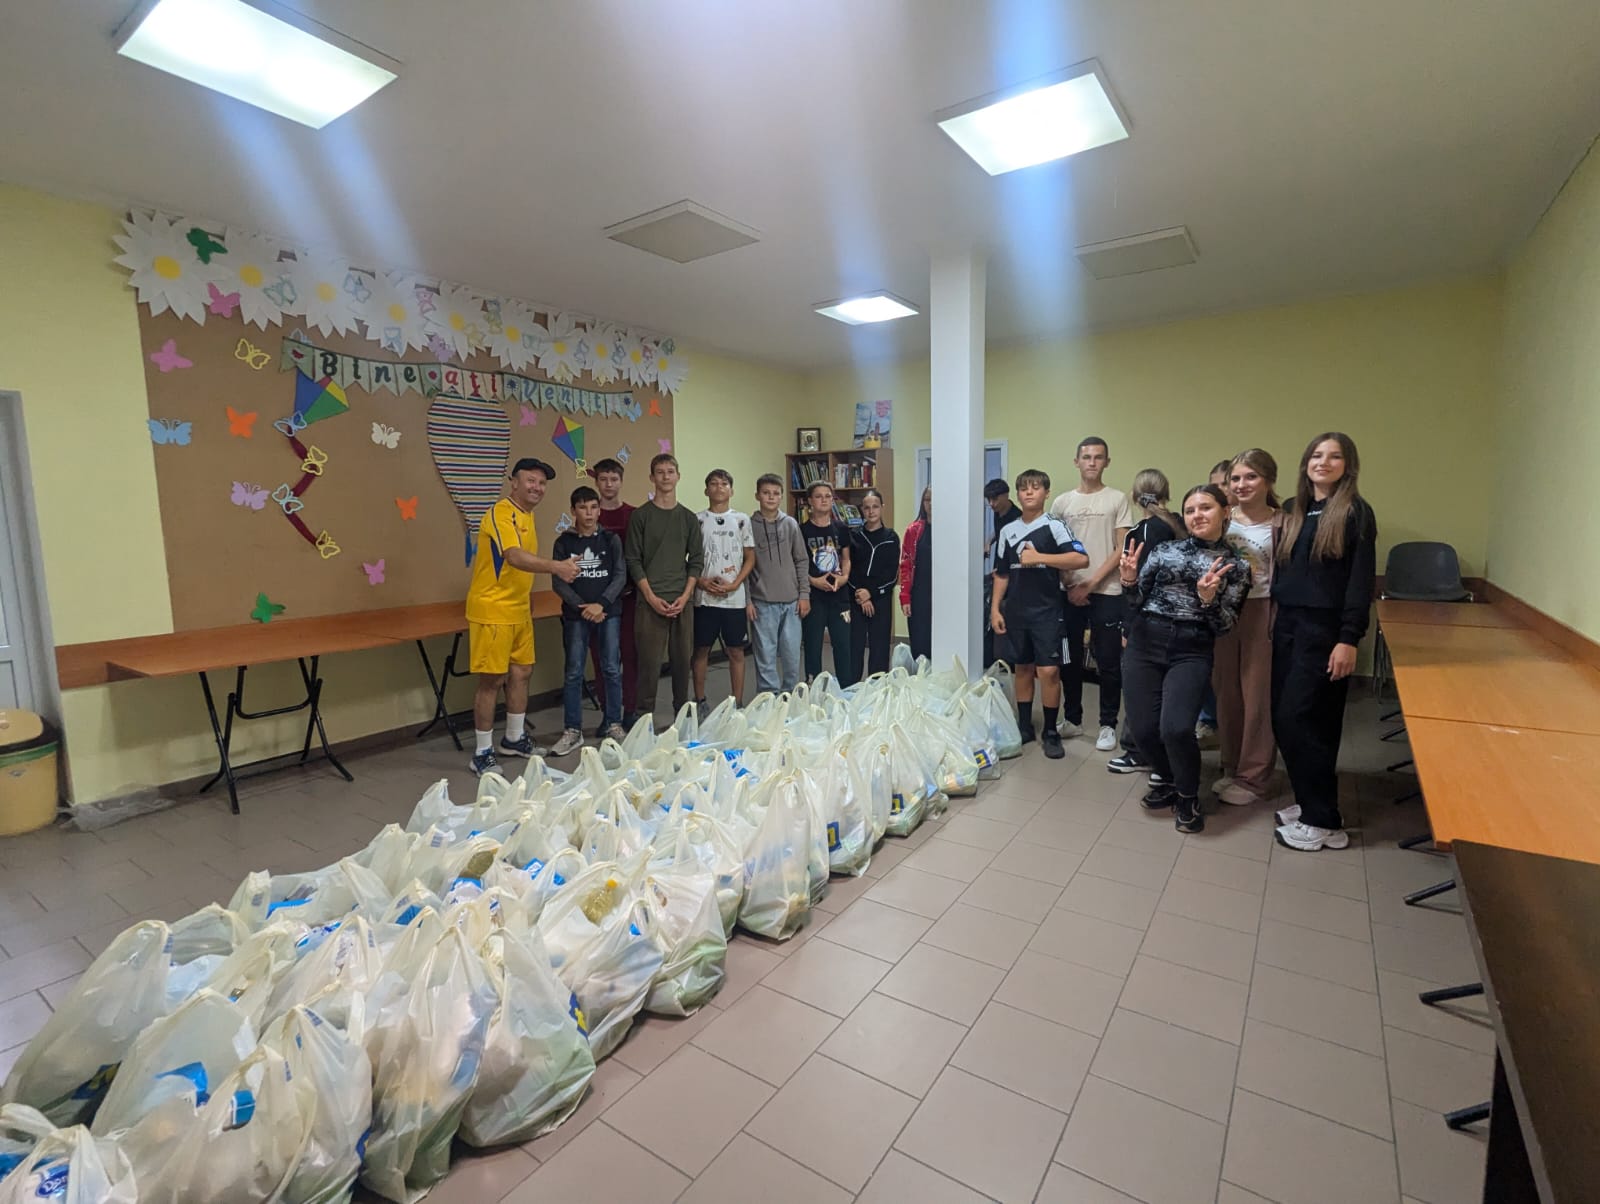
1424	571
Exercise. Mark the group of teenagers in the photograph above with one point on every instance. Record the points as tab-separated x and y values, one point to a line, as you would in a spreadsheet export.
1237	601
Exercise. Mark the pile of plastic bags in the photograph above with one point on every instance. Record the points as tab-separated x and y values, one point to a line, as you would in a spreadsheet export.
461	976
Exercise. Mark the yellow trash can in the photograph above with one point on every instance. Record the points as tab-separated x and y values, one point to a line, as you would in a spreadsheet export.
28	748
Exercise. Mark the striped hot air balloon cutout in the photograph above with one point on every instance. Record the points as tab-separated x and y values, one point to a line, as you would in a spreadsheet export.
470	442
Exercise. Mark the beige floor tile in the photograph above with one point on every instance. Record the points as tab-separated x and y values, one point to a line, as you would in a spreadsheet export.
1088	941
57	927
48	964
1323	1009
745	1163
1426	955
981	935
1066	835
1328	1080
844	890
21	1017
1219	905
1186	1069
999	808
1338	872
1227	1193
891	851
1189	998
1056	990
991	1139
1317	954
950	860
899	1179
1323	912
827	976
895	1043
1091	780
1114	1132
877	930
921	894
1021	1052
766	1034
1093	813
1011	895
979	833
654	1039
1438	1164
1220	869
1293	1157
1439	916
1235	836
1124	865
479	1175
611	1082
71	892
1432	1074
747	964
1024	859
631	1172
1463	1022
836	1120
1186	942
1107	899
944	983
1063	1185
1028	788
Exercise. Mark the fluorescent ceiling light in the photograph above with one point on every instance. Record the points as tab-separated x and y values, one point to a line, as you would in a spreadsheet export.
262	53
873	307
1044	119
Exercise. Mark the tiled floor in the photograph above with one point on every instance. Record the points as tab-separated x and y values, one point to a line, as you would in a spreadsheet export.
1047	995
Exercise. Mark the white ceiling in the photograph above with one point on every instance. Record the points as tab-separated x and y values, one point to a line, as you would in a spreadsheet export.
1311	148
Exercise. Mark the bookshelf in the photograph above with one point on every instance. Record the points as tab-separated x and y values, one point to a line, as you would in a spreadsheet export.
863	468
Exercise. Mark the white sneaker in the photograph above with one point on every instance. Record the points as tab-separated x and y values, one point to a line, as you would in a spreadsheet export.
1067	729
1107	740
1289	814
571	739
1236	795
1309	839
1221	784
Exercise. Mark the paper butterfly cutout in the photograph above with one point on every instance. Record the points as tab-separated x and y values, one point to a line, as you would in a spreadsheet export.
530	416
581	465
170	430
374	571
252	496
622	454
441	348
205	246
168	358
316	460
655	408
387	436
285	498
282	294
251	354
294	422
326	546
356	285
427	301
408	507
665	444
264	610
242	425
221	304
564	523
392	340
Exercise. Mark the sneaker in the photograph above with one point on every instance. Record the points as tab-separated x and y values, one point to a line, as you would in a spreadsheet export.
1310	839
483	762
1237	795
700	706
614	732
1159	798
525	747
1050	741
1289	814
1106	740
1069	730
1206	733
1157	780
1127	763
1222	783
571	740
1027	732
1186	814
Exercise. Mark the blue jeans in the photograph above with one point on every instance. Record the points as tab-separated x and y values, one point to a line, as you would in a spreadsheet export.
775	638
576	635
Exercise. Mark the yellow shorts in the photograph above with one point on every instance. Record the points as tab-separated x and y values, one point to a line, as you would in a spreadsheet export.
495	647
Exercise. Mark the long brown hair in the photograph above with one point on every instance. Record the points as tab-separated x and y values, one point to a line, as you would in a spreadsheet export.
1151	493
1264	466
1336	510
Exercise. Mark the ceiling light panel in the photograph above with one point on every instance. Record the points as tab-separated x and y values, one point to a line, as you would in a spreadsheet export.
866	309
1045	119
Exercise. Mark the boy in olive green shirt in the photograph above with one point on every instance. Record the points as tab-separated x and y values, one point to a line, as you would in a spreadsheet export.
665	559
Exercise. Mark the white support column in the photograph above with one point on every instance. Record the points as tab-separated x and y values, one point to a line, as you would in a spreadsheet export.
956	324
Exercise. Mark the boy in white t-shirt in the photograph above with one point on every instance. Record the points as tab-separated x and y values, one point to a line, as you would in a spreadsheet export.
719	601
1100	518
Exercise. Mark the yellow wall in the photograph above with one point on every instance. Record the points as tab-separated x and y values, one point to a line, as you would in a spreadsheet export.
1548	439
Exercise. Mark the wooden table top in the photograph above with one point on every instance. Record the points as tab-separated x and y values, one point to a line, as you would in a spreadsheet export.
1519	788
1445	614
1538	949
440	618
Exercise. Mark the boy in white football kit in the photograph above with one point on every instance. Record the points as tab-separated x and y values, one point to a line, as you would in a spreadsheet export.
719	601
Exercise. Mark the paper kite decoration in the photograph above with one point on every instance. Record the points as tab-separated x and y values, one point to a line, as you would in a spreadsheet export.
315	400
470	441
568	438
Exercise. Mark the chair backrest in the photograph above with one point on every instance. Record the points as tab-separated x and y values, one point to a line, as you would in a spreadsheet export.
1424	572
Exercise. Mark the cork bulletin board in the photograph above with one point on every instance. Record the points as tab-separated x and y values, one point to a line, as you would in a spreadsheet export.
331	476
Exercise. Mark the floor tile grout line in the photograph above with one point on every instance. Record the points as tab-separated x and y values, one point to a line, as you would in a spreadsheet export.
1317	1115
1249	992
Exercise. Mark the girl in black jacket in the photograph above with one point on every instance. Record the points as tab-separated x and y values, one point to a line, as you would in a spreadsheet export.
874	573
1327	564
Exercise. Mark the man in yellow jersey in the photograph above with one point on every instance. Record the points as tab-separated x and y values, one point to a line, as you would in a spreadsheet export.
500	612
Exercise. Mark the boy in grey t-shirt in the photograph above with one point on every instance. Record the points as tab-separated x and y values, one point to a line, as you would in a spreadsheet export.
780	590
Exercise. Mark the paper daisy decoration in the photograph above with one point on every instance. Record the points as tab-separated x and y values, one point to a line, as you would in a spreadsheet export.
394	313
166	272
511	339
671	367
327	291
252	269
603	355
458	319
638	359
559	348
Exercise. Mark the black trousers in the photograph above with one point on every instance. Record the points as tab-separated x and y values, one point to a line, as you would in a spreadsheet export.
919	624
870	637
1103	619
1166	671
1308	709
827	617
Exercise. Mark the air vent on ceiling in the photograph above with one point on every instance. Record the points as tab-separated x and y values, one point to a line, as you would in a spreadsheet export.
683	232
1138	253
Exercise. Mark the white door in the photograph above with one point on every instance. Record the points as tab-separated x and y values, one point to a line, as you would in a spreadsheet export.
995	455
24	638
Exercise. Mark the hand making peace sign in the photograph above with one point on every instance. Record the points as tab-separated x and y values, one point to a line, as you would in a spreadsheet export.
1211	580
1128	567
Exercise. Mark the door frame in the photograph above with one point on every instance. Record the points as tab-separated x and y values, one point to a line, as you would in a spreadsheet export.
925	457
16	478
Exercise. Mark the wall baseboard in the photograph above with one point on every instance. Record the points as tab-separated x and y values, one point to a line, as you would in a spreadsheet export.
1568	639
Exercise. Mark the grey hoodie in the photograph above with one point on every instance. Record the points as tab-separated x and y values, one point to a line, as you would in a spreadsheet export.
783	567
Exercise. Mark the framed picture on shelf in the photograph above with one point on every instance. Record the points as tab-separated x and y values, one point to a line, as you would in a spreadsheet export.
808	439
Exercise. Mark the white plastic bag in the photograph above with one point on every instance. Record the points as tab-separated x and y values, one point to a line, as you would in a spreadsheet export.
21	1128
316	898
345	960
331	1061
972	717
778	886
911	782
434	808
869	763
612	975
1000	709
847	825
70	1166
682	899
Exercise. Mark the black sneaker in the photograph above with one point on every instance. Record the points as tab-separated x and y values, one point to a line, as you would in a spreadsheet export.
483	762
1159	798
1128	763
1027	733
1186	814
1050	742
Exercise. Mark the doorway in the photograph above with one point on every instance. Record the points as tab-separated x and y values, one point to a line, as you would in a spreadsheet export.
27	650
996	457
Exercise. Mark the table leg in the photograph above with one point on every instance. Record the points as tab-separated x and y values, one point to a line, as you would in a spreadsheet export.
314	700
1444	994
1427	892
1507	1175
440	683
223	738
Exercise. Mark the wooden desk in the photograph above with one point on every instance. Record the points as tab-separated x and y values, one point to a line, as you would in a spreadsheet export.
1445	614
1538	950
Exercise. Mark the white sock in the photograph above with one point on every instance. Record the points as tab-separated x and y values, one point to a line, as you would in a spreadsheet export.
485	740
514	726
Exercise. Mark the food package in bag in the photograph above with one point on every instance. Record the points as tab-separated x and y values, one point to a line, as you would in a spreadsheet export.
434	808
331	1061
387	854
912	785
346	956
247	976
1005	680
573	916
310	899
682	898
536	1059
1001	712
640	740
612	975
956	770
972	717
71	1062
428	1022
21	1128
777	897
64	1166
716	850
544	883
532	845
868	755
848	819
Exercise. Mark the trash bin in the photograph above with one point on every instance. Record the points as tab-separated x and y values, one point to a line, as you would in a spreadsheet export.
28	748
